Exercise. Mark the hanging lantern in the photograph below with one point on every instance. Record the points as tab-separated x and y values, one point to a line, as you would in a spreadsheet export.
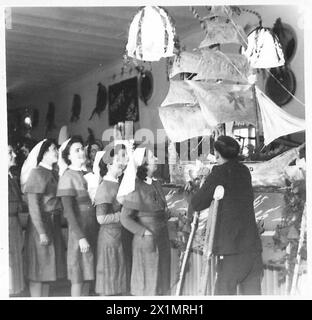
264	50
151	35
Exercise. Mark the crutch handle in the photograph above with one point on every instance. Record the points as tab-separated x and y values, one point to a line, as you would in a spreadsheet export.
218	193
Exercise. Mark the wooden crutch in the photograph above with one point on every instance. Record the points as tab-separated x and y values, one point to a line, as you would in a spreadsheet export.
298	257
187	253
208	265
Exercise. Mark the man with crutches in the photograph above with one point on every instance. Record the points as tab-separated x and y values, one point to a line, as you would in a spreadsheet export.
236	242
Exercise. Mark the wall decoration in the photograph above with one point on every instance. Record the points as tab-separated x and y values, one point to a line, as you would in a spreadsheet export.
287	38
123	101
281	84
76	108
101	100
50	125
146	86
279	79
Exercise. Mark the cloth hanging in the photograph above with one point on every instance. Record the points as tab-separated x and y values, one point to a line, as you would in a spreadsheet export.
215	65
93	178
30	163
183	122
220	31
128	182
224	103
276	122
179	92
186	62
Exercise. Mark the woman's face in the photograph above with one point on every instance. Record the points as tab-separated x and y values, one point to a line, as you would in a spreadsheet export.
94	149
117	167
123	158
11	157
51	154
76	154
219	158
151	163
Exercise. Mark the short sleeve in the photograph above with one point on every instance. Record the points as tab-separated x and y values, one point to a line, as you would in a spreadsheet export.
36	183
66	186
131	201
105	193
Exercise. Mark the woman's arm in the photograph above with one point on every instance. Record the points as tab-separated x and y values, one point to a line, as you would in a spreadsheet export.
129	223
68	205
203	197
104	217
35	212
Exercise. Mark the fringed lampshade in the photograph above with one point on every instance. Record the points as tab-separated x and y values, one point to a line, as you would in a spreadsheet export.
151	35
264	50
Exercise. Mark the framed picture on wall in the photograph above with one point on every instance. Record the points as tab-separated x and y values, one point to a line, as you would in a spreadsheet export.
123	101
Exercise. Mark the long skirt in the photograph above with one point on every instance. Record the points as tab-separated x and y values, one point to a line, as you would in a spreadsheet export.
111	266
45	262
16	275
151	265
81	266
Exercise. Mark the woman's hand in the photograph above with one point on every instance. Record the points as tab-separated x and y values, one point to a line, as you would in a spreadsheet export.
44	239
84	245
147	233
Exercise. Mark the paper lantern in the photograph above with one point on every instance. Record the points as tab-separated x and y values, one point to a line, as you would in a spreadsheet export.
151	35
264	50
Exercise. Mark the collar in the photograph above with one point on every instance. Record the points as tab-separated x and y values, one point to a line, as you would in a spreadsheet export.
75	168
109	177
149	180
44	165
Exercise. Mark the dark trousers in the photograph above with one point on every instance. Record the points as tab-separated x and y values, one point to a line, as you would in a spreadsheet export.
239	274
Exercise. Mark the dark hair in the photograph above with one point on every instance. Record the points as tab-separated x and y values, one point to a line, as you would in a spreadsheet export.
142	169
44	148
108	158
227	147
65	153
96	142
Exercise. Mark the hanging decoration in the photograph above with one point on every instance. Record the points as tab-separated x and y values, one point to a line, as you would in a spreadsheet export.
63	135
101	100
221	31
152	35
146	85
264	49
76	108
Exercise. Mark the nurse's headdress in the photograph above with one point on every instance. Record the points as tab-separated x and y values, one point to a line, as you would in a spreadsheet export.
127	185
30	163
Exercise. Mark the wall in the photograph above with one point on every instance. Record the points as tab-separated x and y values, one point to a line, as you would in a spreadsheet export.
86	86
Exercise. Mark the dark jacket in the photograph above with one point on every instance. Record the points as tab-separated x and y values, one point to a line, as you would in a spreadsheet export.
236	229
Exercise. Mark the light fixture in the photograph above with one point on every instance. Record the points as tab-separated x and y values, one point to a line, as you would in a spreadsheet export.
264	50
151	35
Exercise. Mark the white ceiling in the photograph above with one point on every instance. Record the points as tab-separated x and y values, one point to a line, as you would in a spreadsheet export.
49	46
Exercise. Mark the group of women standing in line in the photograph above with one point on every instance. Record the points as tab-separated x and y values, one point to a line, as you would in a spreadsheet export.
120	242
